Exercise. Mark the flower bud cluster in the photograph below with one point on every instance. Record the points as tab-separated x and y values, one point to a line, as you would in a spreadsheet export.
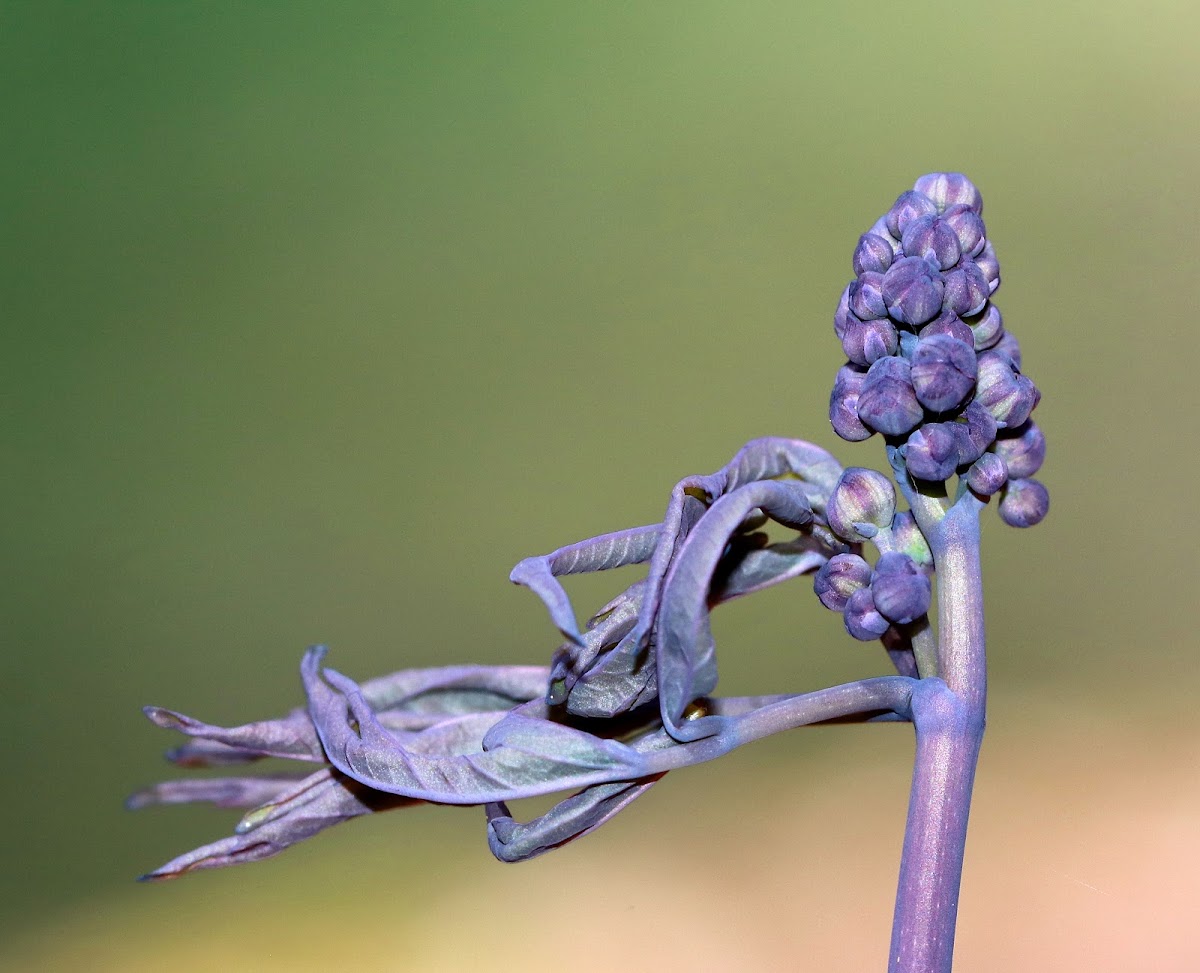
895	592
930	364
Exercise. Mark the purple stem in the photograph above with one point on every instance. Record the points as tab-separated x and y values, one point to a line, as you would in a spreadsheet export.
949	716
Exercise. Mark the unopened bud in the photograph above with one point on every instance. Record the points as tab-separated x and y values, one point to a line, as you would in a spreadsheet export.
987	474
913	290
861	502
908	206
900	590
843	404
887	402
839	578
1023	450
943	372
873	253
948	189
932	452
862	618
1024	503
931	238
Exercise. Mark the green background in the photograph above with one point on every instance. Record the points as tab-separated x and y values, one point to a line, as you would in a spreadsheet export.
318	317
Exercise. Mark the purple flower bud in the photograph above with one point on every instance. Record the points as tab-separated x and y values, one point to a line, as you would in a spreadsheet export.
933	239
862	619
1024	503
908	207
861	502
968	227
1023	450
873	253
839	578
1008	345
901	590
943	372
913	290
843	404
987	262
987	474
907	537
932	451
966	290
987	327
843	314
975	431
887	402
950	323
865	342
880	229
866	296
1001	389
948	189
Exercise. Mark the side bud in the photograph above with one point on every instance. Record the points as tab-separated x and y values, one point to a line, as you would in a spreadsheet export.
950	323
873	254
987	328
901	590
1023	450
932	451
865	342
839	578
1001	389
843	404
866	296
966	290
1024	503
933	239
888	403
976	431
862	618
943	372
913	290
968	227
862	502
908	206
987	475
990	266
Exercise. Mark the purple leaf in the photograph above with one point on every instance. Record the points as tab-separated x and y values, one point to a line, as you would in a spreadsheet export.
319	801
685	654
466	760
614	550
221	791
579	814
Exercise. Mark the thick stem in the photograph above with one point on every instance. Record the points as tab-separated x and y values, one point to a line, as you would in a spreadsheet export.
949	717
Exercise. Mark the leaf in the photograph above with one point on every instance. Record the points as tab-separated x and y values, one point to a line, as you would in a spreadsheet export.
685	653
291	737
745	571
579	814
319	801
518	757
604	631
617	549
221	791
410	700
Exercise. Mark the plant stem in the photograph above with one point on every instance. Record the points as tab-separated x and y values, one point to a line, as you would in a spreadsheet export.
949	716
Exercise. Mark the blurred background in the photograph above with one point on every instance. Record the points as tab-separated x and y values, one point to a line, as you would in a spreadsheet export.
320	317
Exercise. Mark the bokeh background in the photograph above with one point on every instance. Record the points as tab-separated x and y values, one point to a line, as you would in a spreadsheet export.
318	317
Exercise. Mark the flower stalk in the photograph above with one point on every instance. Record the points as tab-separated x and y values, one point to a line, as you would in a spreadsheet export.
949	715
